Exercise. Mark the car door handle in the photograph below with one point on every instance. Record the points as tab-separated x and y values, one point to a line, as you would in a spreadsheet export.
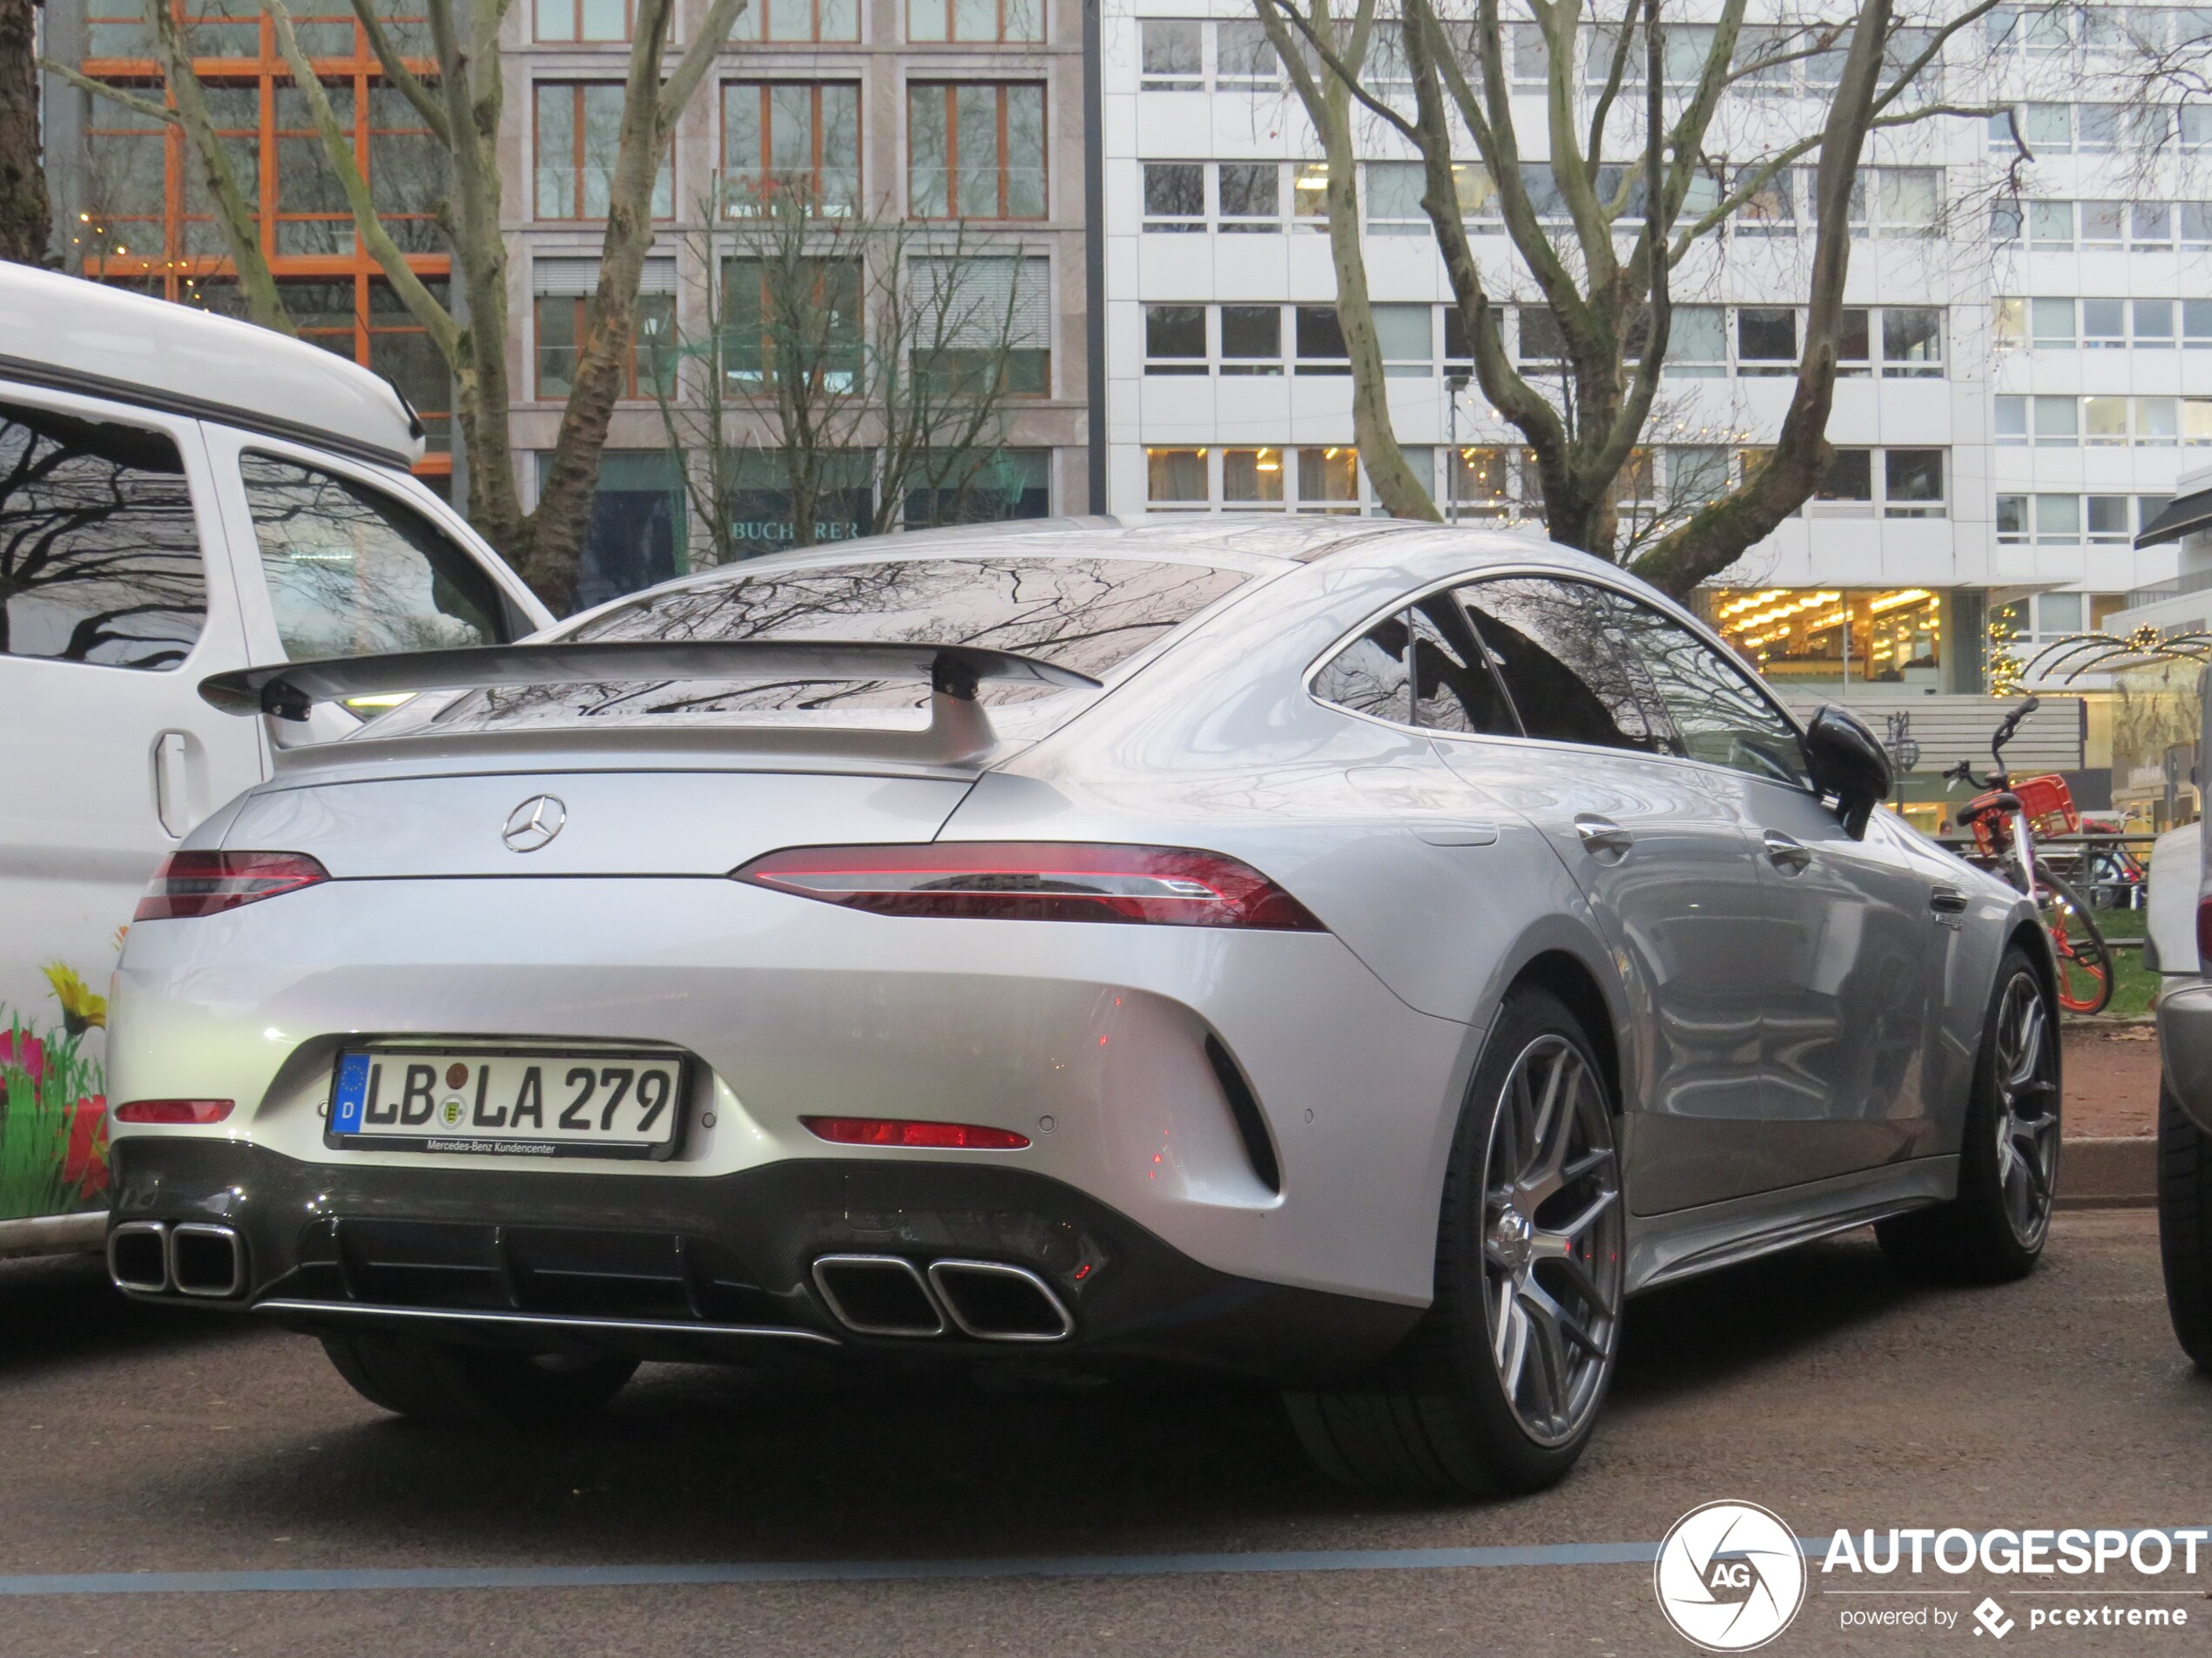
1458	834
1785	853
1602	836
1947	900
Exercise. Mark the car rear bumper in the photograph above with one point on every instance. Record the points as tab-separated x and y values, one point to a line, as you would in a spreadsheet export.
725	1268
2185	1045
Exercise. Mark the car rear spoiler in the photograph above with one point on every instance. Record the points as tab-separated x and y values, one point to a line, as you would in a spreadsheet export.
957	727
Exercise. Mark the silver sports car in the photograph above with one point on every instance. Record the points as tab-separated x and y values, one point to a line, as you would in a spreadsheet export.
1354	955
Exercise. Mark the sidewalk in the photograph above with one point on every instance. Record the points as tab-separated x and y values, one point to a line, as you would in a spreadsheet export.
2111	1117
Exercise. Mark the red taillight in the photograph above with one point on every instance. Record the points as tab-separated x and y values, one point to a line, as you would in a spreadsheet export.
207	883
894	1131
198	1111
1039	880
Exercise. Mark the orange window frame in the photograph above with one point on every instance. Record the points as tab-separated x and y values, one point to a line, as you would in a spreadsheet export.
1002	172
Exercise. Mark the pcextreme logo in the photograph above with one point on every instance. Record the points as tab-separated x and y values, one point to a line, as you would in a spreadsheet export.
1729	1577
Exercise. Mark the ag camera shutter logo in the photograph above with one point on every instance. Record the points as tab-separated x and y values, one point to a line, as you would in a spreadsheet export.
1731	1576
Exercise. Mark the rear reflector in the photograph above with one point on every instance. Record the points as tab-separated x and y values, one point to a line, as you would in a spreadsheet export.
1036	881
894	1131
207	883
199	1111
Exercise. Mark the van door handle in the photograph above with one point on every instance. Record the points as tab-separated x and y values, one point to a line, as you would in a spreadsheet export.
1786	853
172	782
1602	837
1947	900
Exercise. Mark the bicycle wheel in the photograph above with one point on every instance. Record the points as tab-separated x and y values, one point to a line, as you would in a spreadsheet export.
2084	958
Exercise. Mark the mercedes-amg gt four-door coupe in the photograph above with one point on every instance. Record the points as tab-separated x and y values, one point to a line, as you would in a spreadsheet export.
1354	956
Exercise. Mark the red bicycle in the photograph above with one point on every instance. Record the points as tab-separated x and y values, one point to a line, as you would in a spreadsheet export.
2005	821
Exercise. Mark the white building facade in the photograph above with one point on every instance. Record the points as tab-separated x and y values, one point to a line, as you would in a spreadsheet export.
2028	361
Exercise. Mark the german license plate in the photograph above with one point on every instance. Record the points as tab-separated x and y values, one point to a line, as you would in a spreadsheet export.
583	1103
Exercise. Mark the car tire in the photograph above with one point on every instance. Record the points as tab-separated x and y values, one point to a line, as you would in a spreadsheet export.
436	1381
1457	1409
1993	1232
2185	1226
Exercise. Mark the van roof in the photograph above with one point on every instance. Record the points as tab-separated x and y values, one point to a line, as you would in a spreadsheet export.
80	336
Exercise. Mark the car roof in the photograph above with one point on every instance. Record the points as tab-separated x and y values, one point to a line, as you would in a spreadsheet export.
80	336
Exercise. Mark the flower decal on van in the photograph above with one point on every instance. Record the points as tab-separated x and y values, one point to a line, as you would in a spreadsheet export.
53	1107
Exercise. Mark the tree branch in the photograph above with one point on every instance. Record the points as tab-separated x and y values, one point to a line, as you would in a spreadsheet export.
338	147
396	71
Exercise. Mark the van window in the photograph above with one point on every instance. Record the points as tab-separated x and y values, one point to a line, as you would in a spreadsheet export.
354	572
99	557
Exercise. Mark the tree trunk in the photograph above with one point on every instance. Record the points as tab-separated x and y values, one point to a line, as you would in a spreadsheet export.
26	214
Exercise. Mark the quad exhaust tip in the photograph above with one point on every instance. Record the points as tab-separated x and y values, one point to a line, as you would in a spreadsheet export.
197	1258
888	1295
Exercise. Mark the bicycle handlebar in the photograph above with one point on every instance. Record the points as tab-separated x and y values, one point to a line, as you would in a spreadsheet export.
2011	725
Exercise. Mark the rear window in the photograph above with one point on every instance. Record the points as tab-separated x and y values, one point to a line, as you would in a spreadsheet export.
1087	614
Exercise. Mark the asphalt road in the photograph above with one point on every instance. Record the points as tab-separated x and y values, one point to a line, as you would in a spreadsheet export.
141	1439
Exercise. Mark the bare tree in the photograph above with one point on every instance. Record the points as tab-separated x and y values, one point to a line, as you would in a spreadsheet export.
860	362
1658	177
187	111
460	104
26	213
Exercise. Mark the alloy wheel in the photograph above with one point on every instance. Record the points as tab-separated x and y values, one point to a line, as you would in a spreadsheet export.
1551	1241
2027	1109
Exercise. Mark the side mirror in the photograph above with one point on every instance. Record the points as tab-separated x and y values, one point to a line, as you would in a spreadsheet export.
1849	762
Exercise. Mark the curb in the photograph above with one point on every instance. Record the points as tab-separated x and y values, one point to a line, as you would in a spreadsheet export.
2108	1174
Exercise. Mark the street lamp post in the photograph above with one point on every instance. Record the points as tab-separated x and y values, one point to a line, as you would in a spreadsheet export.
1453	385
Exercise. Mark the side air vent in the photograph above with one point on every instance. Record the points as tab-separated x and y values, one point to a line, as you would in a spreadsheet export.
1252	1125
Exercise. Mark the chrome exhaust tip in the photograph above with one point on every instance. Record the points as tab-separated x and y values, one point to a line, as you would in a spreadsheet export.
994	1302
206	1261
879	1294
137	1257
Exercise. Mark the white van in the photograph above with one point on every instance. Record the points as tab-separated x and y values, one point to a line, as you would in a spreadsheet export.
180	495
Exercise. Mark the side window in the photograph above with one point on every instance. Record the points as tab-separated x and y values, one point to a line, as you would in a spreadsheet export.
354	572
1570	682
1453	687
1717	711
99	557
1368	676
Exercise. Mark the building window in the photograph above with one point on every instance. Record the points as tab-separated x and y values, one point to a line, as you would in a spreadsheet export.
1394	191
800	317
2057	426
561	291
1766	340
1251	480
2104	325
1175	340
1912	342
1539	342
2196	226
1912	483
1321	349
2104	422
1328	480
2155	423
2150	225
2104	224
1407	336
799	20
2106	520
2196	322
2050	226
1174	196
584	20
984	315
1172	52
1252	196
1245	58
982	21
791	135
1846	489
579	130
1697	343
1013	483
2154	321
1175	480
2053	321
1252	340
977	149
